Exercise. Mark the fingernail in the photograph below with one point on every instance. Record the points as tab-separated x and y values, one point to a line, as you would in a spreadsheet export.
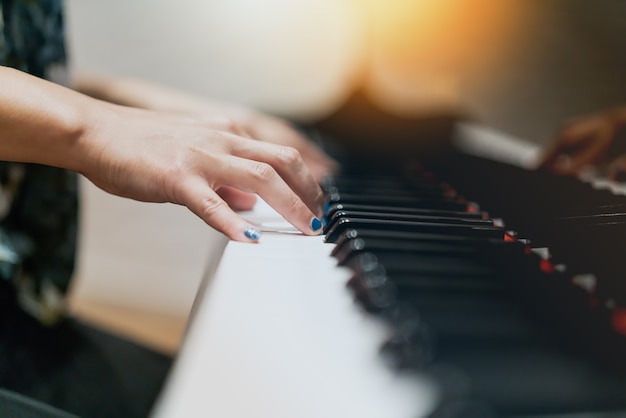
252	233
316	224
326	207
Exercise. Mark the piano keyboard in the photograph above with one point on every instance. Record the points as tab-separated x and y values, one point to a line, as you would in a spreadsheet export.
447	287
532	327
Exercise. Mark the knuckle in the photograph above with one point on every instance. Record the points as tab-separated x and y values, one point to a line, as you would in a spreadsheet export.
289	156
172	178
319	195
232	126
226	124
209	206
263	172
295	205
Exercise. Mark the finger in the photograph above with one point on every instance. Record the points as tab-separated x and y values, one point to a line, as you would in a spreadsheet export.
579	144
282	133
595	150
617	169
567	141
261	178
237	199
228	125
551	156
311	153
320	164
288	162
205	203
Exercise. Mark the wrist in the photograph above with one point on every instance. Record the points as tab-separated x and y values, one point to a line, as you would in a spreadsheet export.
40	122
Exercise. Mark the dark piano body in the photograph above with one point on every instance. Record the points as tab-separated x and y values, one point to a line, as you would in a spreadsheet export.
508	286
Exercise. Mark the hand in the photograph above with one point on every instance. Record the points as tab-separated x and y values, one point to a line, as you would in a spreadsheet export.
196	162
146	95
156	156
256	125
585	141
277	131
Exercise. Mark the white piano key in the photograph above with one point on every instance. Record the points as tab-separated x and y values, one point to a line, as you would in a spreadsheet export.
276	333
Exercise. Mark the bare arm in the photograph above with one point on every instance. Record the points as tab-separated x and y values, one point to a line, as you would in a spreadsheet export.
153	156
142	94
40	122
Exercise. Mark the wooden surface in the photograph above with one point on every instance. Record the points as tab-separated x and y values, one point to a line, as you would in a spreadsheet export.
161	332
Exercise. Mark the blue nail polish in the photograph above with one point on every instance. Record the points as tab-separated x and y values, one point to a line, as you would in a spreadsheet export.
326	207
316	224
252	233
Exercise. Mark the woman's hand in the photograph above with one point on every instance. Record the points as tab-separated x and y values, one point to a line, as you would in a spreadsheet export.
277	131
147	95
156	156
585	141
200	163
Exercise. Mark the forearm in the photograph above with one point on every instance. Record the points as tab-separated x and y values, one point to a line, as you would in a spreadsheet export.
155	156
41	122
146	95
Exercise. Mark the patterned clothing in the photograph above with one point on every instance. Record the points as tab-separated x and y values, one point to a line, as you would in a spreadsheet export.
73	367
38	204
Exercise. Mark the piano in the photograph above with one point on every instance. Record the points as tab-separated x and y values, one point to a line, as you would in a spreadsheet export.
458	285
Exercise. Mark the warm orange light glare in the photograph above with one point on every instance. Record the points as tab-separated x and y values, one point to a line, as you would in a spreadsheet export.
425	50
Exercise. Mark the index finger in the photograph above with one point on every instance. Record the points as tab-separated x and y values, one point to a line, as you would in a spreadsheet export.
288	162
261	178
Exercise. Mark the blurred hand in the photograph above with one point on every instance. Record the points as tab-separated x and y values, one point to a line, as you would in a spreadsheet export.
585	141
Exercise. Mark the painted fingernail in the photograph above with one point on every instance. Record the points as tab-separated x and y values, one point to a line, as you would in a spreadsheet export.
316	224
252	233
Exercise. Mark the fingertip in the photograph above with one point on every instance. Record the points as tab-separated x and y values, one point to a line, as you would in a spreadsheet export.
243	232
316	226
217	214
251	234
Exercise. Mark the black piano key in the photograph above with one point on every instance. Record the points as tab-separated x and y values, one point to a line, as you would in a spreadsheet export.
350	248
403	210
333	234
507	319
583	211
534	380
411	201
422	263
436	246
456	318
408	218
402	236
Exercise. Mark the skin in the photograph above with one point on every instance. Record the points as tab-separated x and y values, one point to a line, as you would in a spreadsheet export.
190	153
587	141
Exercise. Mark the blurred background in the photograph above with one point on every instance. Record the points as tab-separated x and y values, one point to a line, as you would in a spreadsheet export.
519	66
